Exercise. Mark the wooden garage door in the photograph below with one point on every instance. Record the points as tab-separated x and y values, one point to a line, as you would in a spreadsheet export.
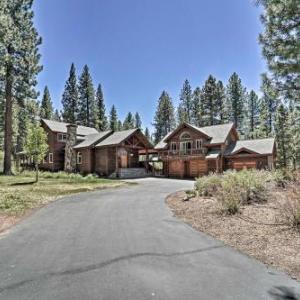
176	168
197	168
239	165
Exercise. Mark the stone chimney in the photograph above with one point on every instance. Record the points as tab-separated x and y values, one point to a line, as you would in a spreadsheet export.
70	156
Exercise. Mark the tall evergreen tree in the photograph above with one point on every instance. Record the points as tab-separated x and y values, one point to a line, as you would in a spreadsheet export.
294	132
138	120
22	128
253	114
271	101
113	119
236	98
86	104
185	103
129	122
46	105
70	98
280	41
102	123
209	101
2	110
197	117
222	113
147	134
19	62
263	128
119	125
282	136
57	116
164	119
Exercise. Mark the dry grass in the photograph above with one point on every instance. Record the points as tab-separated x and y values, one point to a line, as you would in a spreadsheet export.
260	230
19	194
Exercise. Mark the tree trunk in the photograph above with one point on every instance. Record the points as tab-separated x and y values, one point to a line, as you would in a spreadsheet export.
36	172
8	121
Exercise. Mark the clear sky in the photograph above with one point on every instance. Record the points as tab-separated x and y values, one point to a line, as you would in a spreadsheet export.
137	48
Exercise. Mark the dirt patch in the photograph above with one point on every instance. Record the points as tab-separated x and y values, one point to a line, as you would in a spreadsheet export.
8	221
259	230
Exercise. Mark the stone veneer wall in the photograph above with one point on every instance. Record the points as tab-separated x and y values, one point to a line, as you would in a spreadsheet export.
70	155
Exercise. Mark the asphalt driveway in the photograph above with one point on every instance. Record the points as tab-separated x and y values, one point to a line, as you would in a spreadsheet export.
124	244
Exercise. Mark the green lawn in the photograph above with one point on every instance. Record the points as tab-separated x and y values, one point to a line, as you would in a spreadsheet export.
19	193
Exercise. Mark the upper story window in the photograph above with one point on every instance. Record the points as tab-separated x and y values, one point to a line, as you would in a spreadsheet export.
185	136
61	137
199	144
173	146
79	158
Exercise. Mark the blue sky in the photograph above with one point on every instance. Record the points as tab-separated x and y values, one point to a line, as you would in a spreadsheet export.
137	48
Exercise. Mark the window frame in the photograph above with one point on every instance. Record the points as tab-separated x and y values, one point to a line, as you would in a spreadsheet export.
63	138
50	158
199	144
79	155
171	146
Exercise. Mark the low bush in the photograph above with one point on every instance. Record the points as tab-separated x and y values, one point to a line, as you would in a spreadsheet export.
292	207
233	189
14	203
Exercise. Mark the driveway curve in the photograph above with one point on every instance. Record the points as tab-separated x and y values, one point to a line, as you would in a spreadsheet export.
125	244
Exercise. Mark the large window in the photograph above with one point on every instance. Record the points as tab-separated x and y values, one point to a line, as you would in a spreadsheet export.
61	137
185	147
79	158
185	136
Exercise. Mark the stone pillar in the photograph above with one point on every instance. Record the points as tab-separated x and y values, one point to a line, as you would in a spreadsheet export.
70	156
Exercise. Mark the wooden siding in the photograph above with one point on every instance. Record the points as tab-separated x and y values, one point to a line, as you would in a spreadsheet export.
88	161
238	163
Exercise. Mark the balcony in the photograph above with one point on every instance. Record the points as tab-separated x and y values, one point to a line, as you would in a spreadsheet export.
183	153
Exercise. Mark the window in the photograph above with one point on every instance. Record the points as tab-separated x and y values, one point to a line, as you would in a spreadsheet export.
173	146
45	159
199	144
50	158
185	136
79	158
185	147
61	137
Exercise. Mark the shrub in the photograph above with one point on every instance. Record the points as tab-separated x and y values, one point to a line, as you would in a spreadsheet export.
14	203
208	185
292	207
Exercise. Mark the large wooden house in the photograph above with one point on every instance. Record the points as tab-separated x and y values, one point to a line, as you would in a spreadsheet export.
85	150
190	151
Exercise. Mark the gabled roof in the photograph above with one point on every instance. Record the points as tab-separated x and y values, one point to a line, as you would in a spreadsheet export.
62	127
117	138
213	154
259	146
216	134
91	139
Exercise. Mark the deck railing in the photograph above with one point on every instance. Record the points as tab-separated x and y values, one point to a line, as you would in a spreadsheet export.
186	152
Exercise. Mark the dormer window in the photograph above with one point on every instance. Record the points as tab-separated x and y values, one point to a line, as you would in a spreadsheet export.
61	137
199	144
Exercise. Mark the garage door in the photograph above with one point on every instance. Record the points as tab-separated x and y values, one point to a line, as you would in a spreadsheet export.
197	168
176	168
244	165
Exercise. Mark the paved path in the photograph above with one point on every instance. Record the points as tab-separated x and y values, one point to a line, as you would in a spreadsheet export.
125	244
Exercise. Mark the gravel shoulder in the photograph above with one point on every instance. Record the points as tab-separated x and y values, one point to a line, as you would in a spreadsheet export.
258	230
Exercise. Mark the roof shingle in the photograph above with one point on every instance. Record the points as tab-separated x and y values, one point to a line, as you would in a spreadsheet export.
91	139
116	138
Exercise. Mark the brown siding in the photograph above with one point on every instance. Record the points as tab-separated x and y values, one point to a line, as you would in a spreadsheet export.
176	168
198	167
105	160
246	162
55	147
87	165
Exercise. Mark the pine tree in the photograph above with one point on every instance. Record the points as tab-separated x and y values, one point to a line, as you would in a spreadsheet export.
129	122
119	125
280	41
101	111
19	62
164	119
138	121
70	98
253	114
294	131
185	104
209	101
263	128
2	109
270	99
282	136
46	105
197	108
57	116
236	98
222	113
113	119
86	104
22	128
147	134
